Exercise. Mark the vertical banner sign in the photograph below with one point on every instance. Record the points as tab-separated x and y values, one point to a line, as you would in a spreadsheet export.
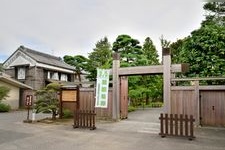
102	88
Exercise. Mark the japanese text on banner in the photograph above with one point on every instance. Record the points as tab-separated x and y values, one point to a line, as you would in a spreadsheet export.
102	88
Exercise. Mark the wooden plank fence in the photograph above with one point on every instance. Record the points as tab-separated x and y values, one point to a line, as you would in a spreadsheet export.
84	119
177	125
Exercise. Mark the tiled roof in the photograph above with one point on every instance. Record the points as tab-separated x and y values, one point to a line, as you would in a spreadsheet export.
45	58
6	78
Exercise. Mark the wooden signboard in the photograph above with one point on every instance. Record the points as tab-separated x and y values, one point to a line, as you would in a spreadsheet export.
69	95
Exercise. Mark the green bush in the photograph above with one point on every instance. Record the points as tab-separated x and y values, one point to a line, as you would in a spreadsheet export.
67	113
4	91
131	108
4	107
155	104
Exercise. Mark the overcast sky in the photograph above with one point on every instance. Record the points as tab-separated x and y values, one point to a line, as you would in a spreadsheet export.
72	27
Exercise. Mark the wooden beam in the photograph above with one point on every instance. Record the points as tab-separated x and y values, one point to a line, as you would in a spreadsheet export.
198	79
147	70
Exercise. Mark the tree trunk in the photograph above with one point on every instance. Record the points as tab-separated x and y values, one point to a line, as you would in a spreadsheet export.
54	115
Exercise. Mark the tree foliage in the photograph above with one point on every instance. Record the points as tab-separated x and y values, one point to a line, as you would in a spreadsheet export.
151	84
215	11
129	49
101	57
47	99
164	43
204	49
79	62
141	88
150	52
4	91
1	67
176	48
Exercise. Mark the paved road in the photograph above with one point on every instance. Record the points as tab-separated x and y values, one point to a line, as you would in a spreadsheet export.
138	132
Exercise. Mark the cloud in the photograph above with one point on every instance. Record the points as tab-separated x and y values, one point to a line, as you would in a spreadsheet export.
71	27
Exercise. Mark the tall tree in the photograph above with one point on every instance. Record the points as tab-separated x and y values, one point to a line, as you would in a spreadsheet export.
152	83
129	49
215	11
150	52
204	48
205	52
79	62
101	57
133	54
176	48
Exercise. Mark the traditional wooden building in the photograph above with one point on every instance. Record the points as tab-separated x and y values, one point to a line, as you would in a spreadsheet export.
37	69
14	96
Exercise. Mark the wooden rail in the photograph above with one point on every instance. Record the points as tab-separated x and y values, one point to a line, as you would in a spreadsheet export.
172	125
84	119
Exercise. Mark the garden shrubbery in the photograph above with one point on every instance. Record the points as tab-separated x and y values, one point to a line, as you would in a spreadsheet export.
131	108
4	107
4	91
67	113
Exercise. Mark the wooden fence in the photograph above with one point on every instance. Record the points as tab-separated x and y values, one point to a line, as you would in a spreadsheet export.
205	103
177	125
84	119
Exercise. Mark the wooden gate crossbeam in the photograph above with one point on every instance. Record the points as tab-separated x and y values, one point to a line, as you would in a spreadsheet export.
147	70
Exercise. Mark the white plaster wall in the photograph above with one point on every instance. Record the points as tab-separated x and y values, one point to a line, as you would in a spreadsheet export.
13	99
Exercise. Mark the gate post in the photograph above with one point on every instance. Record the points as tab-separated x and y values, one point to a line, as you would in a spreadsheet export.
116	87
197	102
166	80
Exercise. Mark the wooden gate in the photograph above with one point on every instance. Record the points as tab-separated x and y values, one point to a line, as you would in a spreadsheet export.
183	100
205	102
123	97
177	125
212	108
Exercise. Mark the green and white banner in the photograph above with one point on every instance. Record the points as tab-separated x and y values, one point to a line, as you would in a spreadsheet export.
102	87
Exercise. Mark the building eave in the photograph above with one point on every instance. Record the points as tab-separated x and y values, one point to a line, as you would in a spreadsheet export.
9	80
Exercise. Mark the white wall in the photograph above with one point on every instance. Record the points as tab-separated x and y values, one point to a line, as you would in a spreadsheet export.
14	96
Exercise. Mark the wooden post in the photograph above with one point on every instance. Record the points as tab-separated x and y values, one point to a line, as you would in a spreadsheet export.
60	105
116	87
166	80
78	98
197	102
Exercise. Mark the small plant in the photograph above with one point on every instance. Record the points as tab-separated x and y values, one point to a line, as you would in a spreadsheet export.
131	108
67	113
4	107
155	104
4	91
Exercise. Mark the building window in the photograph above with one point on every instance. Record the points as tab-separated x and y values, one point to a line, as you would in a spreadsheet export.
64	77
21	73
53	75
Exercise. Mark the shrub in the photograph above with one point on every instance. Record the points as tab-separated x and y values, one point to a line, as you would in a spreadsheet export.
47	99
4	107
4	91
155	104
67	113
131	108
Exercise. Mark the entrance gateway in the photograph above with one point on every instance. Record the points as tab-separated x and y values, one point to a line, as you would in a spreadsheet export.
166	69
